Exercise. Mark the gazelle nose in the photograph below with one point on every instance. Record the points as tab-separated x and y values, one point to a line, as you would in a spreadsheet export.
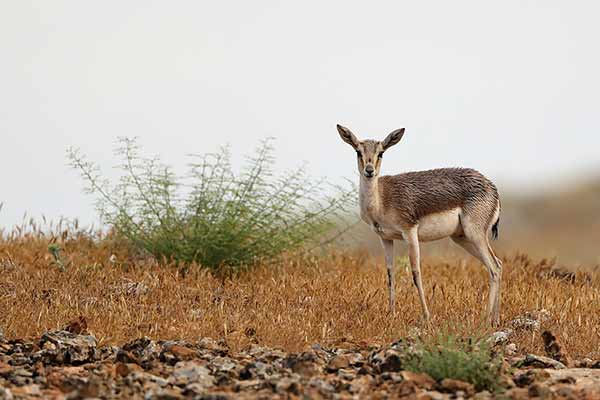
369	171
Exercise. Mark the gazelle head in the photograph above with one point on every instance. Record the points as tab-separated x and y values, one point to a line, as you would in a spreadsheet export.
369	153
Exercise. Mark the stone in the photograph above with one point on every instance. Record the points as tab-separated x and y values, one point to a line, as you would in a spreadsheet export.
163	394
217	347
584	363
500	337
186	372
256	369
517	394
126	357
356	359
583	377
338	362
454	385
123	369
5	369
407	389
565	391
306	364
510	349
527	377
26	391
143	349
390	361
347	374
223	364
422	381
6	394
539	389
182	353
542	362
62	347
361	385
483	395
431	395
253	384
506	382
324	387
144	368
288	386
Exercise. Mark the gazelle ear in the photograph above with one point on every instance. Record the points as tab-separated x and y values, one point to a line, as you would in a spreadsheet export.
347	136
392	138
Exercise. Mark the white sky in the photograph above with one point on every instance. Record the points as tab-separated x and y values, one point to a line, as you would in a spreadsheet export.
510	88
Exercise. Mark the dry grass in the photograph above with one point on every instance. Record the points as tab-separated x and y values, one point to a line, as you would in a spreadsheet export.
292	305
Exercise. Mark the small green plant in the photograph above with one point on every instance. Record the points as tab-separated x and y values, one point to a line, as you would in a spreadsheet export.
213	216
448	356
54	249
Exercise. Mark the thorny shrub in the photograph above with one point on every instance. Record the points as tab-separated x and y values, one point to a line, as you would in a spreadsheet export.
213	216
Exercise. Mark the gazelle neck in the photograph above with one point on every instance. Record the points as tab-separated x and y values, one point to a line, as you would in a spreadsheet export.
368	198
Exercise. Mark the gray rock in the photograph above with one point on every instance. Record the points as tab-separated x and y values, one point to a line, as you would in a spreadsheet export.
163	394
146	378
388	361
542	362
144	350
583	377
510	349
257	369
6	394
484	395
62	347
347	374
289	385
539	390
222	364
188	372
253	384
322	385
500	337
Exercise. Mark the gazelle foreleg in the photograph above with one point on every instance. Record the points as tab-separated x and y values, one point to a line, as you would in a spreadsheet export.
497	300
415	264
388	249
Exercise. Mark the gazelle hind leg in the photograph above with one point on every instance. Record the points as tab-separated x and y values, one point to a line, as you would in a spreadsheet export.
415	264
477	245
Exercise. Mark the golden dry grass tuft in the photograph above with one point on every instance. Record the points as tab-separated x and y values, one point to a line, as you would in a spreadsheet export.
300	301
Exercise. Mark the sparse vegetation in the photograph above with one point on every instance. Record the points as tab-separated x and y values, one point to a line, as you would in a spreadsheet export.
448	356
213	216
306	300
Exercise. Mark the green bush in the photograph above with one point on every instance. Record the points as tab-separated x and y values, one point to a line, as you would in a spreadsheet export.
213	216
448	356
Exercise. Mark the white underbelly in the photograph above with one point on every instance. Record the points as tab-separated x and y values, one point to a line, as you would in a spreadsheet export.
440	225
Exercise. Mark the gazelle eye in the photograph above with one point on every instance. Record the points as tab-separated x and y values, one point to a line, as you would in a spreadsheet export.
358	154
380	155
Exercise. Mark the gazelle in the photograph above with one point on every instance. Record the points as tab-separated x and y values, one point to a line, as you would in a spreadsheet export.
424	206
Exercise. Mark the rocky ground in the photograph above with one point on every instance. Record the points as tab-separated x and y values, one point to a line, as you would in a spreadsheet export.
69	364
